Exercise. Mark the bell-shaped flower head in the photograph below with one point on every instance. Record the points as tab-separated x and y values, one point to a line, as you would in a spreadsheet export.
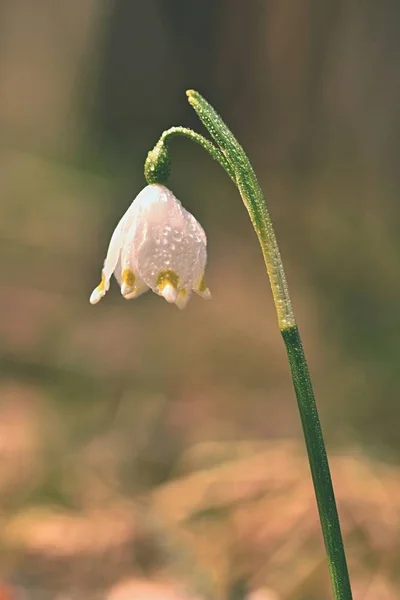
156	245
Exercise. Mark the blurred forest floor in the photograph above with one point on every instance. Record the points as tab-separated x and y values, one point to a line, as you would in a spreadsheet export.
235	517
108	488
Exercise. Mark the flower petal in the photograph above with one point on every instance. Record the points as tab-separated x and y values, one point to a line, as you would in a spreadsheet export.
182	298
169	293
113	254
99	291
202	290
131	285
167	237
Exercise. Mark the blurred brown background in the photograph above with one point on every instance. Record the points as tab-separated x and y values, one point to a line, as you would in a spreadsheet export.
152	453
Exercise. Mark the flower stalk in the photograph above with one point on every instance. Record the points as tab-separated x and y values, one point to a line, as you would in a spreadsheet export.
230	155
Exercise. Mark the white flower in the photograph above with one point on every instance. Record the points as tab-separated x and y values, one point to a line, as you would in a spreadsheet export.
159	245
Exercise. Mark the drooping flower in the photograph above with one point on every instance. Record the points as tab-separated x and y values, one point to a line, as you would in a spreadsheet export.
156	245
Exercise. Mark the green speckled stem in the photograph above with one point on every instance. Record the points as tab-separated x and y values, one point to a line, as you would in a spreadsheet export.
202	141
158	159
234	160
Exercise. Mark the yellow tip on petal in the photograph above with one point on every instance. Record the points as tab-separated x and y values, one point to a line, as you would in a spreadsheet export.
130	295
206	295
169	293
128	283
203	290
202	285
167	283
182	299
167	277
100	291
128	277
96	296
137	290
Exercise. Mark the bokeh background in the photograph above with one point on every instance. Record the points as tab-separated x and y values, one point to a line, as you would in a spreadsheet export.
151	453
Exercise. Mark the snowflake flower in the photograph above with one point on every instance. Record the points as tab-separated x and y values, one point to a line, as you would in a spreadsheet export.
156	245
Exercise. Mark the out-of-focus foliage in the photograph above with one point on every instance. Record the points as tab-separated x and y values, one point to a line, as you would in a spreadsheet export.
103	410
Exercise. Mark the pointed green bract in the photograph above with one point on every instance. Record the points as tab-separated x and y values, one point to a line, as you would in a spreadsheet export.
254	201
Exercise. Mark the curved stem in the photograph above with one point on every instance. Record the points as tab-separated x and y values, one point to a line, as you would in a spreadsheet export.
203	142
254	201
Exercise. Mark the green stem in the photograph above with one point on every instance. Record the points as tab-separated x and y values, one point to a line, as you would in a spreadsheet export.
254	201
202	141
319	464
234	160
